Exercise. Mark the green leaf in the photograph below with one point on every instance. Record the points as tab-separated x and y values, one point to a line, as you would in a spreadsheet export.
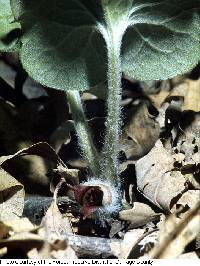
63	43
162	40
8	38
62	47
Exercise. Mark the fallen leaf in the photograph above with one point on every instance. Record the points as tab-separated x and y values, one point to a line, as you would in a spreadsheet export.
19	225
23	241
11	196
188	137
140	132
176	234
144	244
4	230
55	225
39	151
192	96
61	135
139	215
157	179
130	239
188	200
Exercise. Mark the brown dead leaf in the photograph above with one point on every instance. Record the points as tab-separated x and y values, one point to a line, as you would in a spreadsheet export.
19	129
175	234
156	177
55	225
143	244
130	239
188	200
158	99
23	241
61	135
39	151
4	230
15	225
19	225
192	96
139	215
11	197
188	137
139	133
193	179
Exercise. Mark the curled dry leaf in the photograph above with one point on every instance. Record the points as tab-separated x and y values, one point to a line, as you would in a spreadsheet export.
175	234
139	215
11	197
61	135
140	132
14	136
156	178
143	244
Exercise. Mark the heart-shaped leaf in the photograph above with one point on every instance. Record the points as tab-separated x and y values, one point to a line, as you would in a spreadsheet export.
63	41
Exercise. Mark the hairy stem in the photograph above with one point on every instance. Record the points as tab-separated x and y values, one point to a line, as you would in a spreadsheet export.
83	132
113	121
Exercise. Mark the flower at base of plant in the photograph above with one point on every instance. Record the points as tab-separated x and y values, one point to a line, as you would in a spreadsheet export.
96	198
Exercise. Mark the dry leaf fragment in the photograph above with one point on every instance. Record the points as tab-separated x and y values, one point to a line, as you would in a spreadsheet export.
11	196
55	225
188	200
192	96
24	240
19	225
130	239
156	180
62	135
143	244
4	230
139	215
140	132
175	234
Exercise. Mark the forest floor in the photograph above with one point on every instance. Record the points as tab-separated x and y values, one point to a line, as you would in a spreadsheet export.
159	170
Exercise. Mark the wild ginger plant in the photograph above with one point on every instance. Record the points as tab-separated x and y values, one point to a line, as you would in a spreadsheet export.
74	45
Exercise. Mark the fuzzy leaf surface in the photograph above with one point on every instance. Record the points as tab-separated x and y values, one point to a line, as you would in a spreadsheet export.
162	40
63	45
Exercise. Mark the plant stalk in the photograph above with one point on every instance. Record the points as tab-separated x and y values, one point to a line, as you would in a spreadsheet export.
113	121
83	132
